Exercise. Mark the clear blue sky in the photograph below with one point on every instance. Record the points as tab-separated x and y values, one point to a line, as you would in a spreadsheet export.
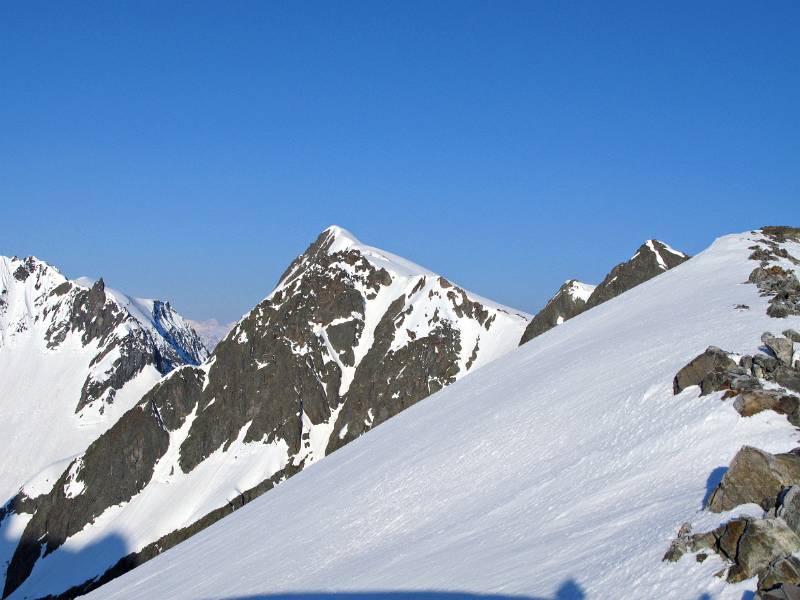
190	150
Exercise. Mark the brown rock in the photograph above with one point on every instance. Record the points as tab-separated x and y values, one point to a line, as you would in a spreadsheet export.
762	542
754	476
708	370
782	347
784	570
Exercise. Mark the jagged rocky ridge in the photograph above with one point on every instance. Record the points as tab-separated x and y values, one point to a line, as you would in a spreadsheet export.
350	337
74	356
67	350
762	546
573	297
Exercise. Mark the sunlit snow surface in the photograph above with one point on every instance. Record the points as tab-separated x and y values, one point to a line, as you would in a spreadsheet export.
568	461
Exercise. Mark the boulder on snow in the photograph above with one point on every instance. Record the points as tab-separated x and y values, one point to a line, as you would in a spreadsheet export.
767	363
755	476
782	347
710	370
787	377
792	335
753	546
762	541
751	402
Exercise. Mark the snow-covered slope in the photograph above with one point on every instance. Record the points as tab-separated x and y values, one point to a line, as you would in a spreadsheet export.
351	336
568	464
73	359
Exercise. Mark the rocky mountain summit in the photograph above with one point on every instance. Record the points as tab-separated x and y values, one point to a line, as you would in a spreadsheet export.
351	336
651	259
569	301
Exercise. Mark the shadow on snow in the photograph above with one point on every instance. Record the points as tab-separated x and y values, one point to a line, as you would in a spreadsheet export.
569	590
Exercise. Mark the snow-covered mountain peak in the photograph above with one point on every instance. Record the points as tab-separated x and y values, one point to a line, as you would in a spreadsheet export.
652	258
341	236
337	241
579	290
351	336
665	256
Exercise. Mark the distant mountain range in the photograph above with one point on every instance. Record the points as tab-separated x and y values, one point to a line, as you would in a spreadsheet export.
149	439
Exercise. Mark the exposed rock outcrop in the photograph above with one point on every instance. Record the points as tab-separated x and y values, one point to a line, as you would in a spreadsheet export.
775	281
750	545
712	371
651	259
569	301
755	476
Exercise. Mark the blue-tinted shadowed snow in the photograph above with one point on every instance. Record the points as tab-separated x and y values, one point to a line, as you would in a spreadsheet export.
569	590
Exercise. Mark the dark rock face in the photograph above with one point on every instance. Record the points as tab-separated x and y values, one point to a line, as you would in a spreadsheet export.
569	301
387	382
651	259
347	340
